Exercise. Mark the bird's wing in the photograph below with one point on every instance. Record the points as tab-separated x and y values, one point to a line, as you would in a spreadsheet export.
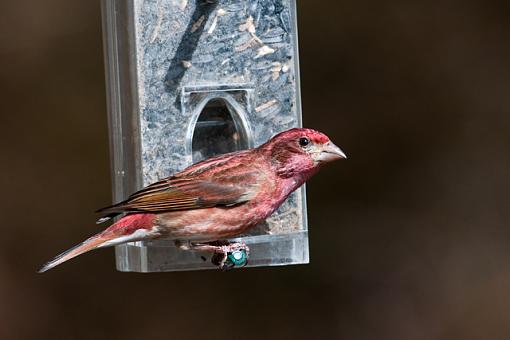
204	185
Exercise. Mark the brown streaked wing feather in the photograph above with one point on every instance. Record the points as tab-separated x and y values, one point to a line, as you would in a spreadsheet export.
203	185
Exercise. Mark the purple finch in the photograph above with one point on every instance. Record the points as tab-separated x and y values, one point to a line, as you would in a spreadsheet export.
215	199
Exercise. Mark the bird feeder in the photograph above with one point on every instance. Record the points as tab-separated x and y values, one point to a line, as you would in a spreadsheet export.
188	80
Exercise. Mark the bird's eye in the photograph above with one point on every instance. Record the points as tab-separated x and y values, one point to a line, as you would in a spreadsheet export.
303	141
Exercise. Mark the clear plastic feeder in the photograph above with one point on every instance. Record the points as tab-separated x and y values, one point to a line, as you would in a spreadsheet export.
188	80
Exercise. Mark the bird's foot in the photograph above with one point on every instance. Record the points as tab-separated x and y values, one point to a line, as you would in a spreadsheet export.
226	255
231	255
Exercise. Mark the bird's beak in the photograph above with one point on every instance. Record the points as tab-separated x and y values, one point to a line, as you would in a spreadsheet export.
330	152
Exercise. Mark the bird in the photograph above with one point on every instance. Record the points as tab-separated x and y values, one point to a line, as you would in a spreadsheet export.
202	206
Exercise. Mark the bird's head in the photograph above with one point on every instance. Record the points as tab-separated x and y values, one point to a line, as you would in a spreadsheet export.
301	151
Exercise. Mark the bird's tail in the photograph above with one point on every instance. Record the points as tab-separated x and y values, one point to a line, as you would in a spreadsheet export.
130	228
87	245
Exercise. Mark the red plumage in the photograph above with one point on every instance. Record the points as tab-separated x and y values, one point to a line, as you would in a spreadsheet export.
217	198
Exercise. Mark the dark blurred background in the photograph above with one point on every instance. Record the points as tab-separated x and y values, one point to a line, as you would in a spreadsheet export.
409	237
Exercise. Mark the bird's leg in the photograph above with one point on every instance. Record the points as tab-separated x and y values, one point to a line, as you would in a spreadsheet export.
226	255
230	255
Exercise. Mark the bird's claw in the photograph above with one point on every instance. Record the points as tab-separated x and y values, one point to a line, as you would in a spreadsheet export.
230	256
225	255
